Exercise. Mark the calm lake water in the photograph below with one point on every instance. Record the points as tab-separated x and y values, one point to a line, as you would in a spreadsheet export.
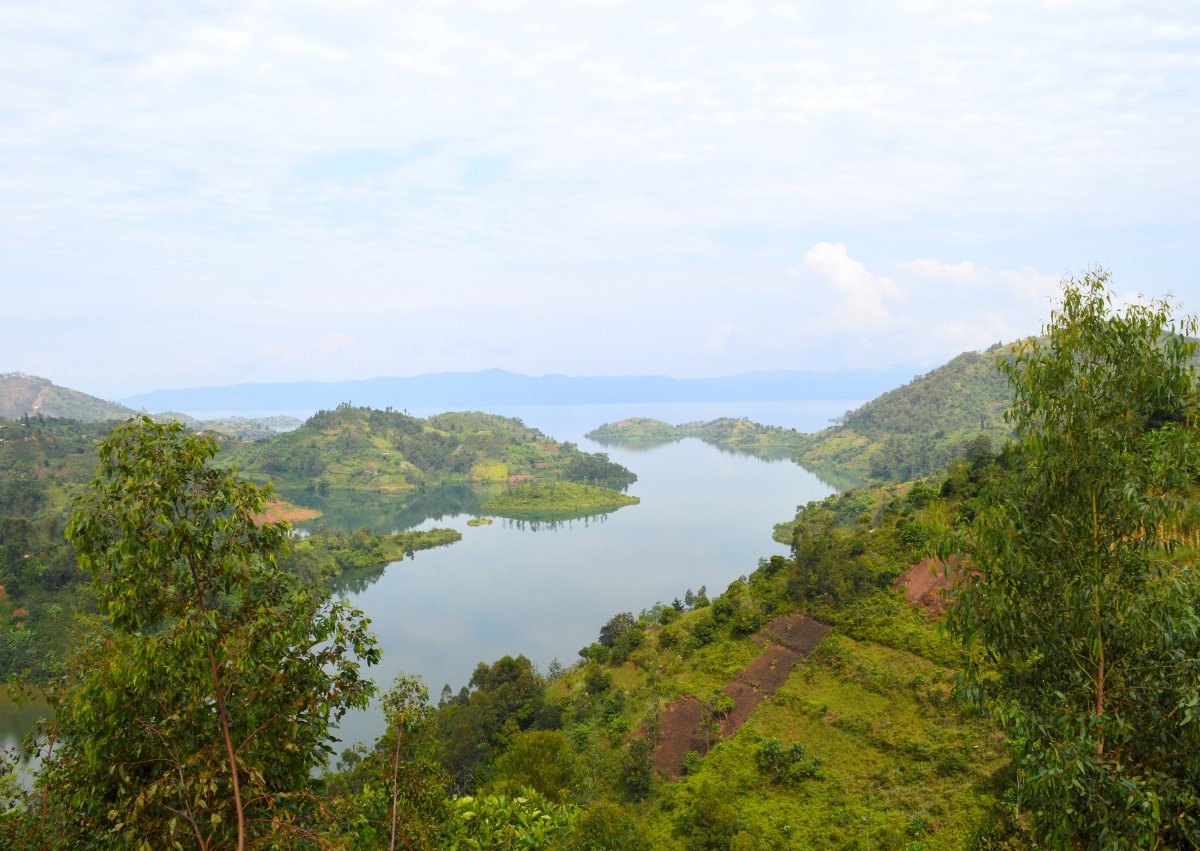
545	589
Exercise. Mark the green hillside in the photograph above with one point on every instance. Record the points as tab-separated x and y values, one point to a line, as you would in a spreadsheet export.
807	706
27	395
364	449
238	428
917	429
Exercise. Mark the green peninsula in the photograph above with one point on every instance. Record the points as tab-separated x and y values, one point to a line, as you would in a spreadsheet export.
730	433
364	449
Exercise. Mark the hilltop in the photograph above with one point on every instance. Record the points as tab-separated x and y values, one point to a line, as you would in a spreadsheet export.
28	395
352	448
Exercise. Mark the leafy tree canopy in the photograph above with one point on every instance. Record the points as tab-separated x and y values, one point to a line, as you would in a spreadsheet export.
204	698
1082	601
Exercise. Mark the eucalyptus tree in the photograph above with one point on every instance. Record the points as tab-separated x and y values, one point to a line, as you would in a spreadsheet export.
203	700
1081	601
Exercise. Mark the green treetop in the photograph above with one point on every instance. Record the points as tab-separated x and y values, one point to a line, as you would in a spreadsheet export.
203	701
1081	602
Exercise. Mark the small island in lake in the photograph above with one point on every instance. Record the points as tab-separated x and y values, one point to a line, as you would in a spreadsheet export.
551	499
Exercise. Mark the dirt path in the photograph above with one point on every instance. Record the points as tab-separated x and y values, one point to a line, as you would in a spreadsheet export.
785	641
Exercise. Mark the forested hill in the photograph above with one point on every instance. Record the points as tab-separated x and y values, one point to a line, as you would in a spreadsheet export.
917	429
367	449
27	395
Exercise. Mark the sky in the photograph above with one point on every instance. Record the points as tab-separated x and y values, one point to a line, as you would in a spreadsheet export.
208	193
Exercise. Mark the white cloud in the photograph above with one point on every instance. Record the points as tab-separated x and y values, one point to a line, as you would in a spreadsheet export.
862	295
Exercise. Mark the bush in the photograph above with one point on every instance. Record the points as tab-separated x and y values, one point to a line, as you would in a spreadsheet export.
782	765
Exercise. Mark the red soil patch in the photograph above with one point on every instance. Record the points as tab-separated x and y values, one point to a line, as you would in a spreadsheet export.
927	583
787	639
770	669
277	510
797	631
746	699
680	733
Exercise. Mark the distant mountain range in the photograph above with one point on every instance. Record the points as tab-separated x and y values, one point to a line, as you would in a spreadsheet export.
494	387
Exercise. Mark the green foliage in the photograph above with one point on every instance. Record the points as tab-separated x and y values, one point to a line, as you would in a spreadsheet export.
1082	614
504	699
327	553
733	435
501	822
637	768
790	765
395	793
202	702
542	760
917	429
709	820
605	826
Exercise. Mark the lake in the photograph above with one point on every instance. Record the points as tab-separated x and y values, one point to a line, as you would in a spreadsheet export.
545	589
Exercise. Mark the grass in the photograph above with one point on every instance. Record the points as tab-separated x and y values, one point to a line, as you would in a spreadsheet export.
899	766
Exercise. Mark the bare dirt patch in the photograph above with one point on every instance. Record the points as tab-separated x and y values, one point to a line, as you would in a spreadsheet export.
681	732
277	510
786	640
770	669
797	631
927	583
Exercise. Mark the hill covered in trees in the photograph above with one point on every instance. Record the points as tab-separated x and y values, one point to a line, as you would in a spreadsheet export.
384	450
917	429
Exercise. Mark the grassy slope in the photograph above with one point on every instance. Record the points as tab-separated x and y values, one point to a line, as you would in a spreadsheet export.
918	428
900	764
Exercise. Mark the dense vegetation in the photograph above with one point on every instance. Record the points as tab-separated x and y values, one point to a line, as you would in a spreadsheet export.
913	431
917	429
1083	616
45	463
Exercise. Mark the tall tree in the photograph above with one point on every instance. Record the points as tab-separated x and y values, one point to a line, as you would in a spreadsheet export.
202	703
1082	599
